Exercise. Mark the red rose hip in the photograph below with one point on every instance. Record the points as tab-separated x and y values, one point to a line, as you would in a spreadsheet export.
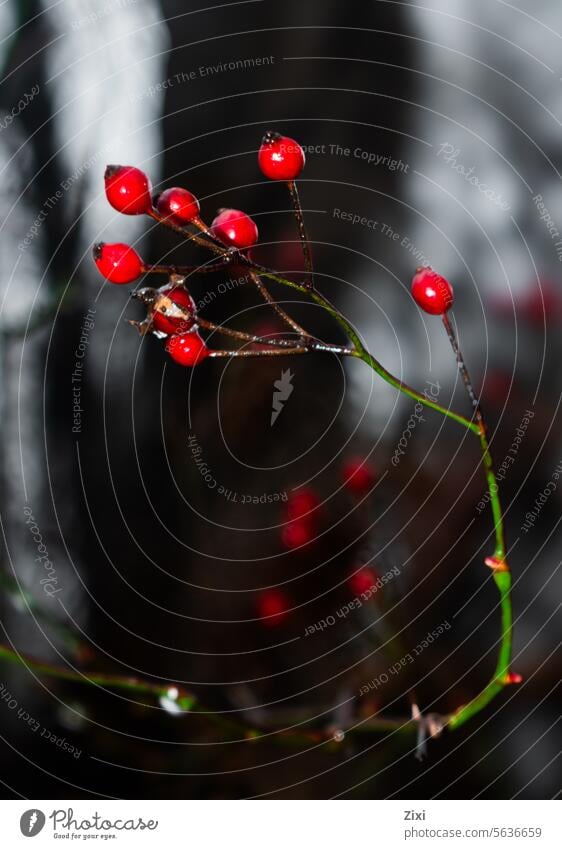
117	262
178	205
234	228
187	349
280	158
432	292
174	310
128	189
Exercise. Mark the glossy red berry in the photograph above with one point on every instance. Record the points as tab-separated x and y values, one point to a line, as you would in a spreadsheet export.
187	349
128	189
117	262
302	504
280	158
432	292
234	228
273	607
174	310
178	205
362	581
358	476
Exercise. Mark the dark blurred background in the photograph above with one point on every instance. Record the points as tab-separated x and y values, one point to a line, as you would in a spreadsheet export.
440	126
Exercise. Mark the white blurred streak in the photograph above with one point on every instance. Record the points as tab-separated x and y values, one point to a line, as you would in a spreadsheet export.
101	63
487	56
7	25
102	75
100	78
489	88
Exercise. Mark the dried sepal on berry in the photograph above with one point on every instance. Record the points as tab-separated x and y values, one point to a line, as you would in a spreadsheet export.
170	309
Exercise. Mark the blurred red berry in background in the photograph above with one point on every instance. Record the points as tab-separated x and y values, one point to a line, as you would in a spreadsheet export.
362	581
358	476
273	607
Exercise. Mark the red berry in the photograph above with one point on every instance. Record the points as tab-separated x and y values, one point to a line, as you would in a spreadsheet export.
358	476
302	503
273	607
297	533
128	189
432	292
362	581
513	678
165	317
280	158
235	228
118	263
178	205
187	349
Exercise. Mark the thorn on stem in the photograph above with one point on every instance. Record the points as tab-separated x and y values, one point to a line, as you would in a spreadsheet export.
428	727
496	564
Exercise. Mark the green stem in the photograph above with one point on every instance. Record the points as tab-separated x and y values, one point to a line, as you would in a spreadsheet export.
499	679
264	292
493	490
361	352
497	563
184	700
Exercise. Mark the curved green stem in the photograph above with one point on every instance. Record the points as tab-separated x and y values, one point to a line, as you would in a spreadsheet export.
500	679
497	563
361	352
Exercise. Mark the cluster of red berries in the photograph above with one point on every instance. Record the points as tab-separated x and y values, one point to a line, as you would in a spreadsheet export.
301	516
273	606
129	191
303	509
